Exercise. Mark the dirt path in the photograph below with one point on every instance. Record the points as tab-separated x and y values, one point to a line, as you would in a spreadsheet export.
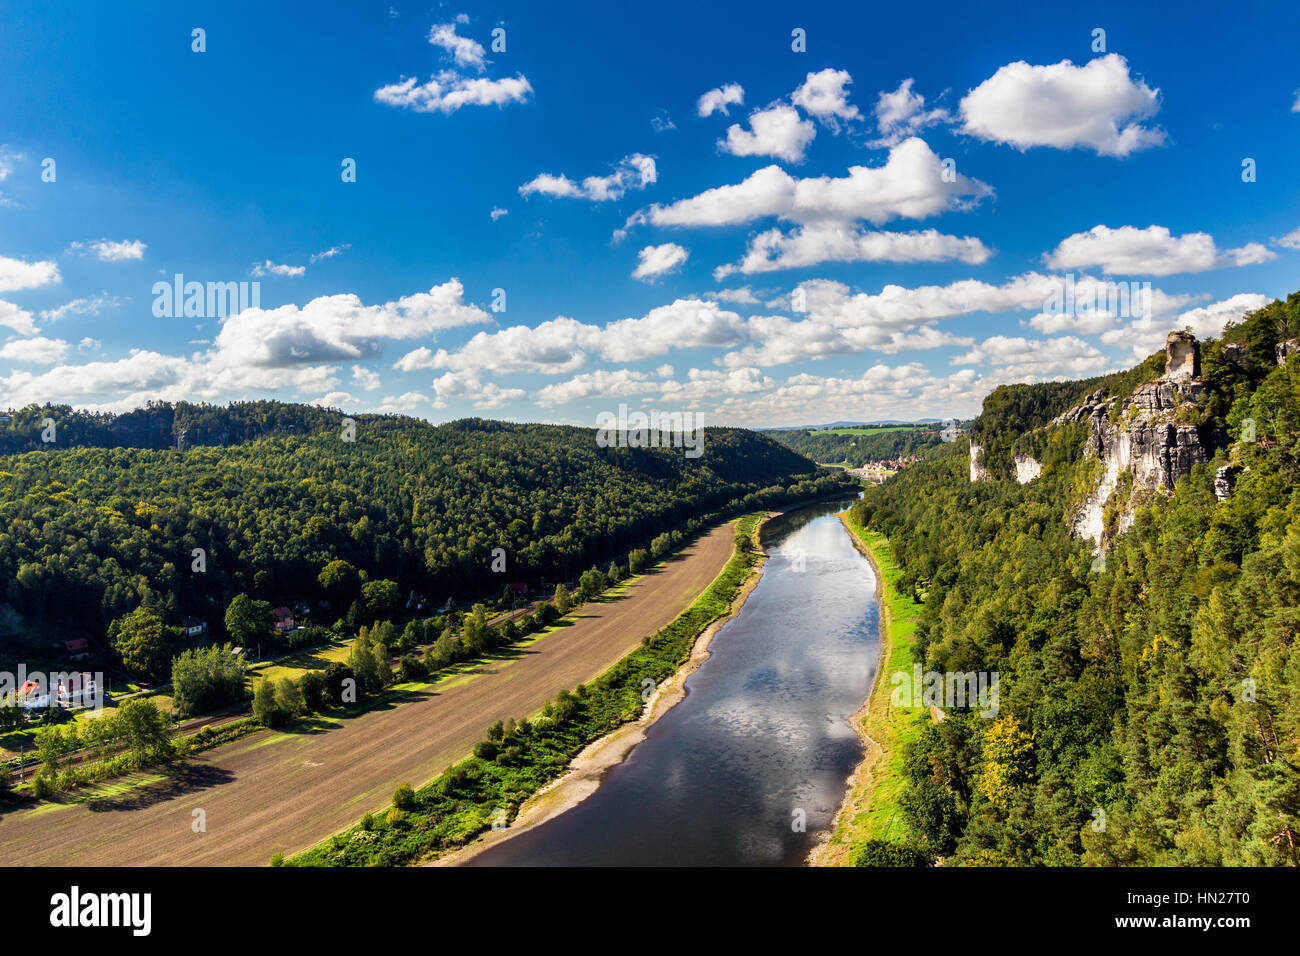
285	791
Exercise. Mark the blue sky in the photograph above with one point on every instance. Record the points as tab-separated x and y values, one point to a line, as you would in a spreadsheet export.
805	256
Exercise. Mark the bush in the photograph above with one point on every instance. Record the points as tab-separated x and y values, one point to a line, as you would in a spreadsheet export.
313	687
885	853
265	709
486	750
404	797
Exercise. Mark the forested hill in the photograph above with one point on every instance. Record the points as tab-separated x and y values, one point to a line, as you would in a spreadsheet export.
90	533
857	446
1149	695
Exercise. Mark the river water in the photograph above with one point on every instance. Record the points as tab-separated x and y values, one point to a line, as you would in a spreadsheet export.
752	763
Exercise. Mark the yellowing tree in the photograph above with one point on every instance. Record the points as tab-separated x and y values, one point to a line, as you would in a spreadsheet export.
1008	761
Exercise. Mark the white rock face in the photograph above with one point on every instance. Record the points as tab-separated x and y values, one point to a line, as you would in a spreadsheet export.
977	470
1027	469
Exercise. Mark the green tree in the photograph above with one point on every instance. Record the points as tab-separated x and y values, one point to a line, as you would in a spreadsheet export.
562	602
207	678
248	621
340	582
265	708
141	642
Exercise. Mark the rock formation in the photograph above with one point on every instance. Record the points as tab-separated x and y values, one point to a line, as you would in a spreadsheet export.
1149	437
977	470
1027	469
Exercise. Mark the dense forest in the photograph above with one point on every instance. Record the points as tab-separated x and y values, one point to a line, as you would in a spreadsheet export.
1149	697
258	498
856	447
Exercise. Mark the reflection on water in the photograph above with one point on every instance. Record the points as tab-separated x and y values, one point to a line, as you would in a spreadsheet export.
762	734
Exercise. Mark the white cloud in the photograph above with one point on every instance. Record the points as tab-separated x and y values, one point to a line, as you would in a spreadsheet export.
329	253
905	392
497	212
38	350
841	242
89	344
339	327
464	385
1096	106
776	131
823	96
655	261
1290	241
1020	359
636	171
1147	335
85	306
109	250
1295	107
743	295
602	383
909	185
406	402
15	274
463	50
366	378
563	344
448	91
342	400
902	114
1151	251
717	100
20	320
269	268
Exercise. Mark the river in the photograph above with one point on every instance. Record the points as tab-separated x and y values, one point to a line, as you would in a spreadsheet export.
752	763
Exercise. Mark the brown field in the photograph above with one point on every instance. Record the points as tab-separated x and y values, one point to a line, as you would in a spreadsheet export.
283	791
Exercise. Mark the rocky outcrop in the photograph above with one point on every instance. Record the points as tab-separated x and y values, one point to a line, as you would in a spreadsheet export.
1225	480
1238	355
1149	440
977	470
1027	469
1182	356
1284	350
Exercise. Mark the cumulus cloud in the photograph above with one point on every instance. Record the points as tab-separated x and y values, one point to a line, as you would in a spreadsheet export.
563	344
20	320
842	242
824	96
463	51
1147	335
406	402
655	261
15	274
465	385
636	171
1097	106
110	250
269	268
497	212
717	100
1151	251
368	379
339	327
448	91
1290	241
37	351
777	131
1029	360
902	114
910	185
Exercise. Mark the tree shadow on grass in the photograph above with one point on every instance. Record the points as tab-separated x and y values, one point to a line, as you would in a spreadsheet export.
180	779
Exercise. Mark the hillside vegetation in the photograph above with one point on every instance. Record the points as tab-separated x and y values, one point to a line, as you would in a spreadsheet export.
112	516
1149	702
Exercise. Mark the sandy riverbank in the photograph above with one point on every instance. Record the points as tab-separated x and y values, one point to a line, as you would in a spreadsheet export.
588	768
858	786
